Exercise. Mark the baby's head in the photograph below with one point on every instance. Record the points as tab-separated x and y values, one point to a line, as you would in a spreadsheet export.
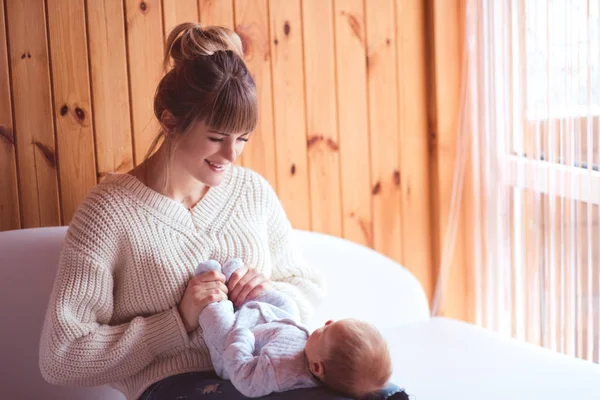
349	356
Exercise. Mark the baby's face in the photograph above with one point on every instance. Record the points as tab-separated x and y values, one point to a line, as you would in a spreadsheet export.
317	346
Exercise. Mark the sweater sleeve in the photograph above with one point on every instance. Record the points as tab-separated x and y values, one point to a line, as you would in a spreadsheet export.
291	274
79	346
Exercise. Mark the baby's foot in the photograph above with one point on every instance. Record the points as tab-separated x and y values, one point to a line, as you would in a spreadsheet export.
231	266
206	266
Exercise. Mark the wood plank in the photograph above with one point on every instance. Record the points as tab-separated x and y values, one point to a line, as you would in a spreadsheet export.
9	195
448	38
32	106
352	120
252	24
288	100
383	126
414	142
321	116
110	90
176	12
216	12
71	84
145	44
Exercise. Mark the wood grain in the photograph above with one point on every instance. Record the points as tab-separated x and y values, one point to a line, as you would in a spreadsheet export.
216	12
145	45
383	127
321	117
9	195
252	25
353	126
414	141
71	84
32	106
448	39
110	90
288	110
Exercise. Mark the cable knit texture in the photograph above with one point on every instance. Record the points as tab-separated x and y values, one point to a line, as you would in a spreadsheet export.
128	256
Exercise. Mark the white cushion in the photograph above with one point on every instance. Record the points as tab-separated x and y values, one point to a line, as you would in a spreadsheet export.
28	262
362	283
447	359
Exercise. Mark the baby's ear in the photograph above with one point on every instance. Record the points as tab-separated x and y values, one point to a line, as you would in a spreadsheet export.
318	369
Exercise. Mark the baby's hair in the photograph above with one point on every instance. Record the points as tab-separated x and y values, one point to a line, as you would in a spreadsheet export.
359	361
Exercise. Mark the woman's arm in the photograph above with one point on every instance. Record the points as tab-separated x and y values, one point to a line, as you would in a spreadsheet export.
78	347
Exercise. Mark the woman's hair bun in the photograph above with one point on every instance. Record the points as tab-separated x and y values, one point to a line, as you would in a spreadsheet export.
188	41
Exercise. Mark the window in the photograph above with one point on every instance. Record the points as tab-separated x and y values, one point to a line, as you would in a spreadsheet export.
562	47
537	147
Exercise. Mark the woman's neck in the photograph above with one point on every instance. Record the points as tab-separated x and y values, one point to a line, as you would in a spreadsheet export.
172	180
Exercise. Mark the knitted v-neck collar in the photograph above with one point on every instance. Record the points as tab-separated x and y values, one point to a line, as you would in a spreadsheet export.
199	216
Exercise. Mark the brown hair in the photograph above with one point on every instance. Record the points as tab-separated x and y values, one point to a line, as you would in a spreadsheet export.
358	362
206	80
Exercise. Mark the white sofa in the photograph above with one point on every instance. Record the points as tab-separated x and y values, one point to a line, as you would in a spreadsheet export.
434	358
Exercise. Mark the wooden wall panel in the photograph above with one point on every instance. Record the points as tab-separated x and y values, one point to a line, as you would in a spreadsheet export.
357	124
414	141
288	110
321	117
72	105
177	11
32	106
216	12
383	125
448	20
252	24
110	86
9	191
355	160
145	45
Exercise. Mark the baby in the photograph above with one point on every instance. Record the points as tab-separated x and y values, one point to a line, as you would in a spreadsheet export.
263	348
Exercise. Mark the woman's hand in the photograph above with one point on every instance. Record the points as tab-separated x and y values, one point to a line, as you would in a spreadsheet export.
201	291
246	283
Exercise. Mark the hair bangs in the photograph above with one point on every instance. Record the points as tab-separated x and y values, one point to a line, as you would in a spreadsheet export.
235	109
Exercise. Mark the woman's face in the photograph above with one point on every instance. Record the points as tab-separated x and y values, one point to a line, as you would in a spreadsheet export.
206	154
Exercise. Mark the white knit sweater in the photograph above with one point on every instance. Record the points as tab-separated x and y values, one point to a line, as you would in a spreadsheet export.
128	256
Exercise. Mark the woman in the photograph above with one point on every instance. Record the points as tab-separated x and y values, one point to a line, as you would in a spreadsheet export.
125	304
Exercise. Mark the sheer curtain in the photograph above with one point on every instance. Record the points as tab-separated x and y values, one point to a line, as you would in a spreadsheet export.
533	114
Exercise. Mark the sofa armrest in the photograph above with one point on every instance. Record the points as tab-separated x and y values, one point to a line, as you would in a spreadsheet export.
362	283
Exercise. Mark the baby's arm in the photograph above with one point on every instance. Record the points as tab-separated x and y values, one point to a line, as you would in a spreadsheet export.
253	376
280	300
